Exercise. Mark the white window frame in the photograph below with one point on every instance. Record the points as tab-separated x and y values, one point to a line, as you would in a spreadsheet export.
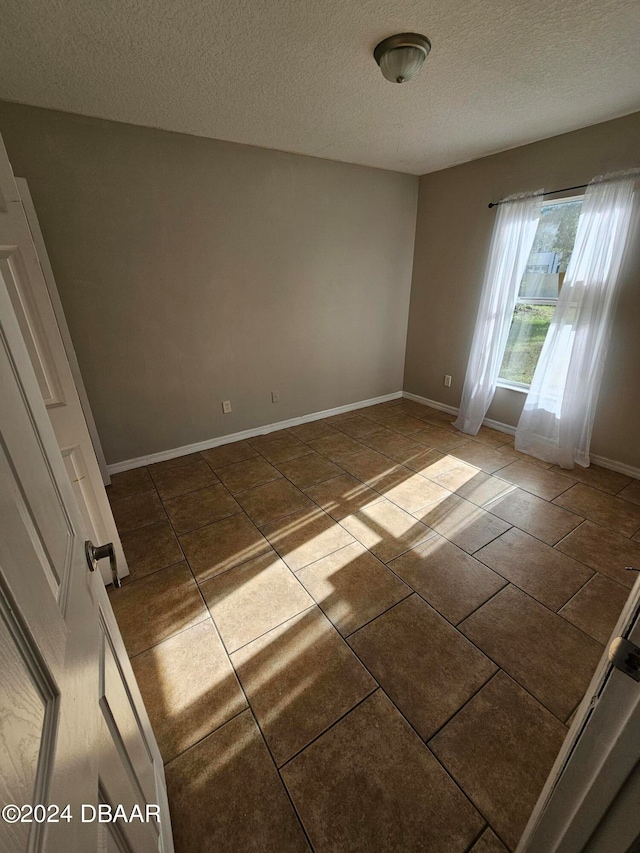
510	384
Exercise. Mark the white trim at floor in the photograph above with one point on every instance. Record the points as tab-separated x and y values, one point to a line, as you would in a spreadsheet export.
163	455
611	464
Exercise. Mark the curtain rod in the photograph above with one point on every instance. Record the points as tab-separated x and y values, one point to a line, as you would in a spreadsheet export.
550	192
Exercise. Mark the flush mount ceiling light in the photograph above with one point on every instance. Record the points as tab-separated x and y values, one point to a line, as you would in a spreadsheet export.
401	57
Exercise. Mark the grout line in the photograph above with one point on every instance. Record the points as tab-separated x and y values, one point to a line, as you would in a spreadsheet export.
465	703
596	573
204	737
216	482
533	536
493	539
272	628
275	764
259	728
185	560
417	734
126	582
196	743
111	499
476	807
582	562
622	488
303	492
152	488
563	492
209	523
296	572
499	668
517	680
430	534
255	719
530	491
593	521
243	562
319	482
570	533
215	468
561	473
541	603
238	494
513	583
282	518
340	718
164	639
477	838
144	526
467	797
382	613
475	610
577	592
290	798
171	636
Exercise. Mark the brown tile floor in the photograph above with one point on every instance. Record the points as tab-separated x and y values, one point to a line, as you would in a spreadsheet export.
347	634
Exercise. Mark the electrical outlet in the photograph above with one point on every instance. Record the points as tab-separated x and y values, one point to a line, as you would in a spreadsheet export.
226	406
275	396
447	381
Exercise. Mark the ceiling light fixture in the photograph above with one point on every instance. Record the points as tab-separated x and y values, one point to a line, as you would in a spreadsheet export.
402	56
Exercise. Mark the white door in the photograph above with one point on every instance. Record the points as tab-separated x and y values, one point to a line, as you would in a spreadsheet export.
52	289
591	801
36	316
73	728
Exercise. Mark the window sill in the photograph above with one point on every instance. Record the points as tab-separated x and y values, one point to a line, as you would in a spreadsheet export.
512	386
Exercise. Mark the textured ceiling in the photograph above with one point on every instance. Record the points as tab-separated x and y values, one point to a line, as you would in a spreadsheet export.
299	75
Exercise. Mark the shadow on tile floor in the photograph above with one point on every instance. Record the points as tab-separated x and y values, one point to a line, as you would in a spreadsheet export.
326	625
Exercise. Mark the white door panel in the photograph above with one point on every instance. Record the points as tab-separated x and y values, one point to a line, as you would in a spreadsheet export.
52	289
27	700
33	308
73	728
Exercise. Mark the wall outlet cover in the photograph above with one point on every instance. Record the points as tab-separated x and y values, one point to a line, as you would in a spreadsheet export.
226	406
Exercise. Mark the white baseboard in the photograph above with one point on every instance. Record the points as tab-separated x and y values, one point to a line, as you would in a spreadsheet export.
613	465
610	464
510	430
453	410
163	455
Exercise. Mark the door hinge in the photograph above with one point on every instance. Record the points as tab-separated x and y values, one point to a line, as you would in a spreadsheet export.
625	656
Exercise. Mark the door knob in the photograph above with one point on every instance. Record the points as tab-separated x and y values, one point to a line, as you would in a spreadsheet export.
100	552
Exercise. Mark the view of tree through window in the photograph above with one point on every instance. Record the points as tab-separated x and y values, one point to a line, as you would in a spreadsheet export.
539	289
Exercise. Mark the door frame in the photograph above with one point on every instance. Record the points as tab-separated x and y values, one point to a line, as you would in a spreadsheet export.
54	296
35	605
587	790
45	332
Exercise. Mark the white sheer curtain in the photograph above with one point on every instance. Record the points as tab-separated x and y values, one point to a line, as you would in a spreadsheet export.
557	419
513	236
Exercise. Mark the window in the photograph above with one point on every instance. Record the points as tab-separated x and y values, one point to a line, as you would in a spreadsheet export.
539	290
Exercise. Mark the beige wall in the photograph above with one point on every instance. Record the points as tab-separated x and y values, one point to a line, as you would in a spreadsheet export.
194	271
452	243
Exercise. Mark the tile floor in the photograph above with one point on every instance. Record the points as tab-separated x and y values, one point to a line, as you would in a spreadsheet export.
366	633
